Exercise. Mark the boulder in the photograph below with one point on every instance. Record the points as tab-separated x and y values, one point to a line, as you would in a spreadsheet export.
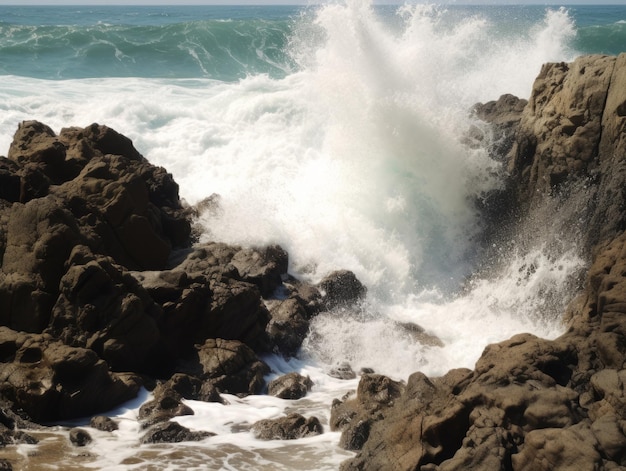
52	381
103	423
190	387
166	405
291	427
80	437
341	289
173	432
288	326
290	386
102	307
230	365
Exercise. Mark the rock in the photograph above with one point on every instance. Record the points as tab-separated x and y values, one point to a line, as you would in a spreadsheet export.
572	448
342	371
262	267
102	307
231	366
166	405
39	239
290	386
342	289
80	437
103	423
418	334
5	465
173	432
504	115
52	381
291	427
288	326
354	416
190	387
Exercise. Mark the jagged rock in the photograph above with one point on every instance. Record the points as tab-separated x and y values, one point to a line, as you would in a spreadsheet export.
231	366
342	289
354	416
291	427
290	386
102	307
103	423
166	404
53	381
190	387
80	437
288	326
173	432
262	267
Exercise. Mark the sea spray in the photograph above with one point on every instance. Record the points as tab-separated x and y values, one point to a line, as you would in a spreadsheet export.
349	155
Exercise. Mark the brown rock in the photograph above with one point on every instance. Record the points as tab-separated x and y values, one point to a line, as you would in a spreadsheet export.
291	427
290	386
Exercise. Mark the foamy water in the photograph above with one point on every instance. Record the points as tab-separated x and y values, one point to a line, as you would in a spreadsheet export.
352	161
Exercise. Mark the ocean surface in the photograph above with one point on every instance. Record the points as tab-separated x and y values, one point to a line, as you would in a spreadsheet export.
336	131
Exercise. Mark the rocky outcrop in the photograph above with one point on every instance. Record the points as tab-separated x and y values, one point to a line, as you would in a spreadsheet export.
50	380
99	277
532	403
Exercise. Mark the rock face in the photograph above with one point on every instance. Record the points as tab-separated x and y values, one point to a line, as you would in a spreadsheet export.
532	403
98	278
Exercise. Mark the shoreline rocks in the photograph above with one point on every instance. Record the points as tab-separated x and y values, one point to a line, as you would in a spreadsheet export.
532	403
102	289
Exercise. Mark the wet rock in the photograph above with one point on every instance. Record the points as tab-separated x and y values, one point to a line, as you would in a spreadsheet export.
342	371
418	334
290	427
173	432
103	423
231	366
102	307
288	326
262	267
290	386
342	289
80	437
52	381
5	465
190	387
166	404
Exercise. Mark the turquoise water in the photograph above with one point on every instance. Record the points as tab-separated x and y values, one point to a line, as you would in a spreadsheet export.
225	42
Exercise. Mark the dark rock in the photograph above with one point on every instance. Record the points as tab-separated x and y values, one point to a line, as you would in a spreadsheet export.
52	381
5	465
290	427
262	267
80	437
342	371
190	387
355	436
290	386
288	326
166	405
173	432
102	307
342	289
231	366
103	423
